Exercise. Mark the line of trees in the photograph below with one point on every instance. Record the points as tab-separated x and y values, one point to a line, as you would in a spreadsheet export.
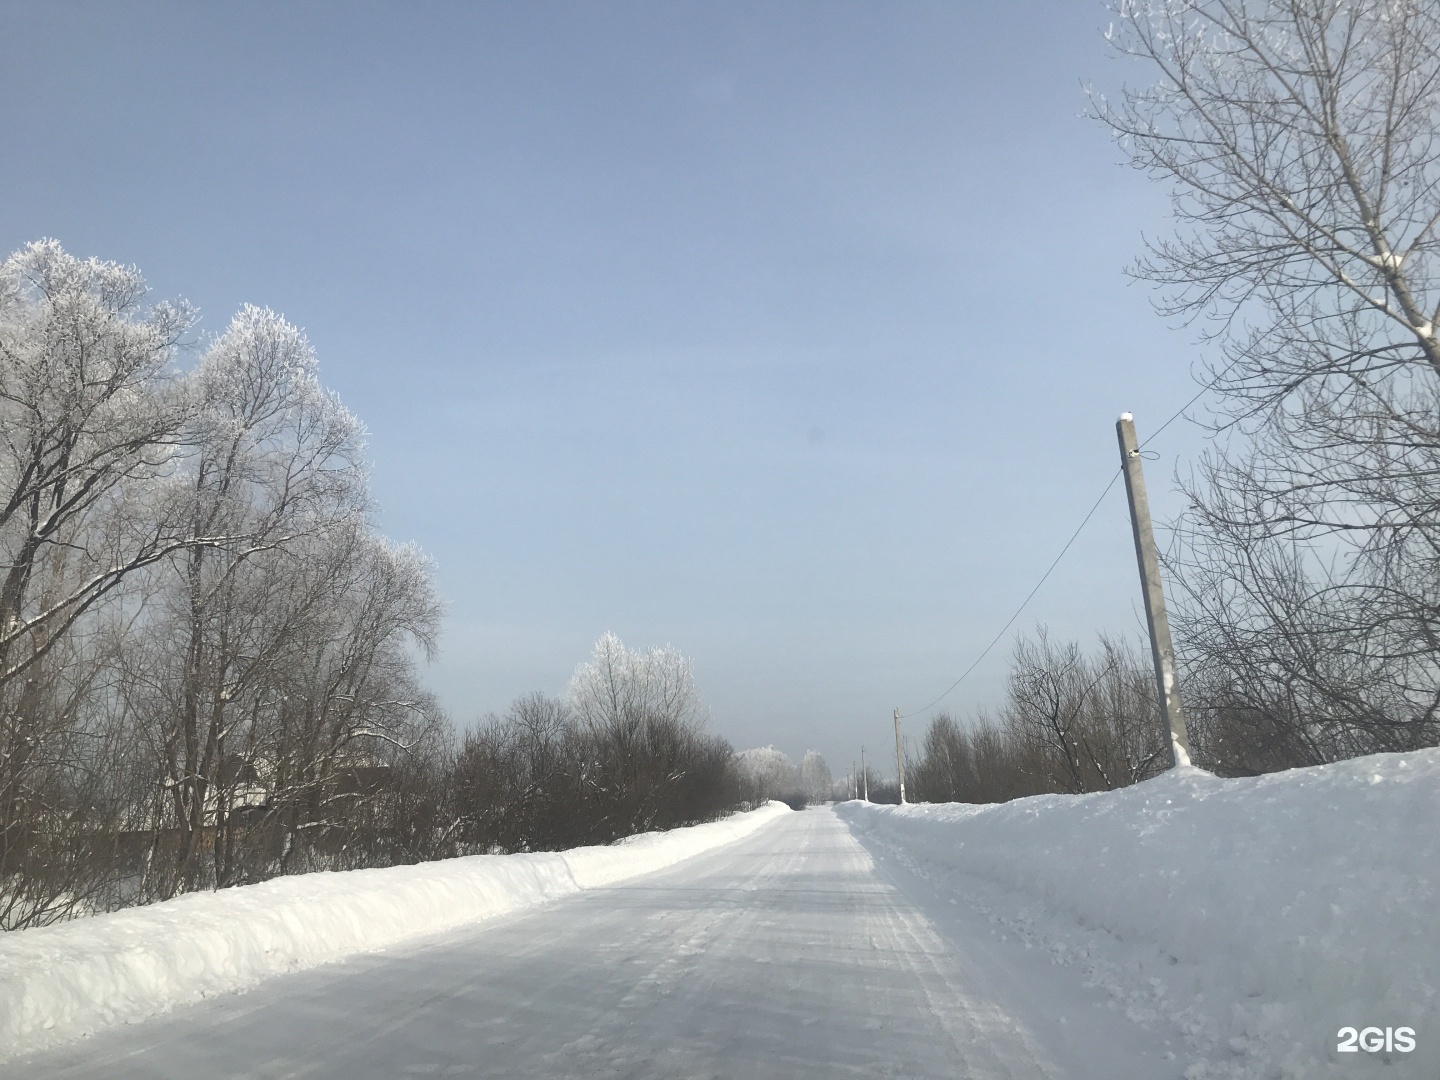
1069	723
1072	722
208	655
194	607
624	752
767	773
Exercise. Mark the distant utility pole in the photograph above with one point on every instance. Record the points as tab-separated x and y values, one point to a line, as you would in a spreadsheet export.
899	758
1167	681
864	775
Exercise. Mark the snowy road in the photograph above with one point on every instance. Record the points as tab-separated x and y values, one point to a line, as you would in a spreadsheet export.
789	954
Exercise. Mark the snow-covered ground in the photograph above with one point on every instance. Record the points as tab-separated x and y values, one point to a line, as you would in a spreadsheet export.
1252	918
62	982
1190	927
788	955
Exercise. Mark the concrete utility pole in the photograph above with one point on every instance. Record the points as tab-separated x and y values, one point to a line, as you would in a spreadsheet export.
899	758
864	775
1167	682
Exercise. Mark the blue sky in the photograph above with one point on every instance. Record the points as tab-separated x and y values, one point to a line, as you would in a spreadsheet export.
792	335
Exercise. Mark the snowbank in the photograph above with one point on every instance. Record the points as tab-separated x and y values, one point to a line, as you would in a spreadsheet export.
1260	916
62	982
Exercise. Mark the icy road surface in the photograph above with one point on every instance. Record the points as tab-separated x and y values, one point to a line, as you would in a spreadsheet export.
791	953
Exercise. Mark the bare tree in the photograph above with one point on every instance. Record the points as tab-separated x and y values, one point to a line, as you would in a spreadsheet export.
544	776
1299	139
1070	722
1090	724
945	770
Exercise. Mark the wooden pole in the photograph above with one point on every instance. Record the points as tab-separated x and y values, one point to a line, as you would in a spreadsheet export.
1162	651
864	775
899	758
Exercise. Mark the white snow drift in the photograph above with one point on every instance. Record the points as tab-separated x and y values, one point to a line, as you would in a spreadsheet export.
61	982
1258	915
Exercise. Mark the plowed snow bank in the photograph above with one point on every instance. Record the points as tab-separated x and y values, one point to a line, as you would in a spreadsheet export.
1259	915
61	982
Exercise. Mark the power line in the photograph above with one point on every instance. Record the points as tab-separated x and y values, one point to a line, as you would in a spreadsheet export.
1024	603
1083	522
1201	393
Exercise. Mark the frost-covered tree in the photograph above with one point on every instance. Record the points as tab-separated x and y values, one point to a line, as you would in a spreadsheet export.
815	779
90	420
767	773
350	714
618	687
644	724
199	627
274	467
